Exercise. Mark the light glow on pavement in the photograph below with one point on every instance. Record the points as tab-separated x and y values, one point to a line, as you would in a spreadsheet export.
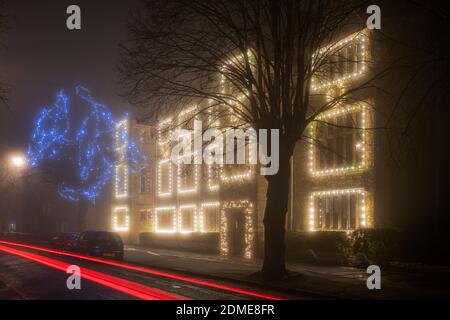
150	271
124	286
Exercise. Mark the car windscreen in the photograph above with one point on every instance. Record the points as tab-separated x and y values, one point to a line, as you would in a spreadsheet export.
108	236
71	236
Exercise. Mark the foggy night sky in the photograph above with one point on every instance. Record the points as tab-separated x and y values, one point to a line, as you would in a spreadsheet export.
41	56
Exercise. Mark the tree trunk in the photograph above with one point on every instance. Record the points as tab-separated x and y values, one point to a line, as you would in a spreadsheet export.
274	221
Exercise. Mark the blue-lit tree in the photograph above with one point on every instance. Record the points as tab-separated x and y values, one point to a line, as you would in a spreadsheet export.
51	132
95	154
78	154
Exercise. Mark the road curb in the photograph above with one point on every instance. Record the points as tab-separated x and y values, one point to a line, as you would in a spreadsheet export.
261	285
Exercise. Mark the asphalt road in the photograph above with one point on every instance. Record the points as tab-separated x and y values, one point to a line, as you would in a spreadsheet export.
27	273
24	279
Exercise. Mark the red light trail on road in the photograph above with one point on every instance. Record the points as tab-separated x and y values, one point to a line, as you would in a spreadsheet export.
124	286
151	271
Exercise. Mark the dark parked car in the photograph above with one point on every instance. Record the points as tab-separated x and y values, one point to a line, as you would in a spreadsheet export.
65	241
101	244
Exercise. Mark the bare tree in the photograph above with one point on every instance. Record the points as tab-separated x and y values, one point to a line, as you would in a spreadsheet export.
255	58
424	70
6	187
3	28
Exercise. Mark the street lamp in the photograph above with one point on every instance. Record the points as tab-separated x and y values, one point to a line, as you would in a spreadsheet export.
18	162
15	167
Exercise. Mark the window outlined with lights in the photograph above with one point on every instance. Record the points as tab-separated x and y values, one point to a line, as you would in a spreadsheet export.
232	117
146	218
121	181
213	170
121	137
187	175
145	181
231	173
338	210
187	170
165	219
340	142
341	62
165	132
187	218
165	177
121	219
121	169
209	218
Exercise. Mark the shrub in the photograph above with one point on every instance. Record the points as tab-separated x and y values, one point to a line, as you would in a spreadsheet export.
370	246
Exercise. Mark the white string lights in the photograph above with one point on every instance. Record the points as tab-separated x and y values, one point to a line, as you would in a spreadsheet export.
338	192
164	132
121	181
187	210
238	177
223	233
359	41
356	46
185	119
245	175
203	207
161	176
249	235
121	170
181	175
172	215
363	145
248	172
360	146
121	219
213	177
186	214
213	170
190	218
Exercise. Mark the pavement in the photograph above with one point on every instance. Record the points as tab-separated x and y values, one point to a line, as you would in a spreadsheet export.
316	281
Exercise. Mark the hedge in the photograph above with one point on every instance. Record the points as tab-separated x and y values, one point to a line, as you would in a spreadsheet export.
360	247
319	247
195	242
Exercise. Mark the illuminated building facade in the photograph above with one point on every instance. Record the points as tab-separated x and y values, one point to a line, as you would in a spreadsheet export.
335	190
194	200
331	182
133	192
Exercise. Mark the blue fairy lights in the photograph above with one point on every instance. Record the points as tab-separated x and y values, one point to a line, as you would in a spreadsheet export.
97	156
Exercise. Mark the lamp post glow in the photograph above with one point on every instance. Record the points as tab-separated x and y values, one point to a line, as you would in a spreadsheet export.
15	165
17	162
